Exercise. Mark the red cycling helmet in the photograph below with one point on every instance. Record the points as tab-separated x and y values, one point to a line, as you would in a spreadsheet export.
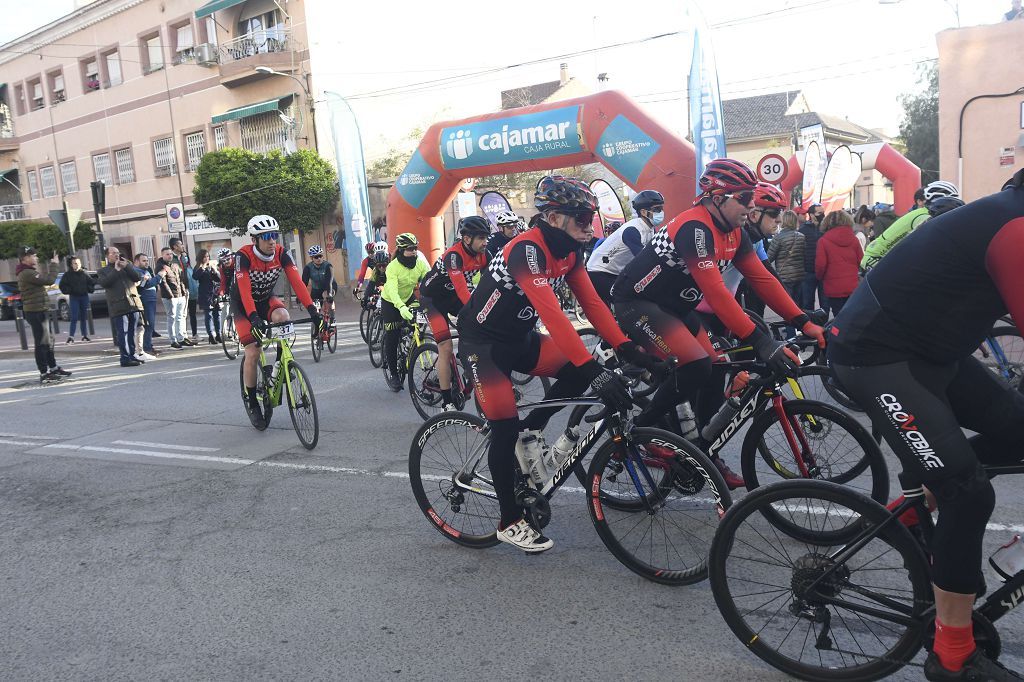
565	195
725	176
768	196
369	248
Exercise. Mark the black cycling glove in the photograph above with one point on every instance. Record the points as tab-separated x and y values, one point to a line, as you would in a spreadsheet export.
775	354
259	327
611	388
316	321
635	355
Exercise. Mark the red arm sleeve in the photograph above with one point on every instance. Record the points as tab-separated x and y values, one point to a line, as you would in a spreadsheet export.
362	271
596	309
454	265
820	261
527	264
1002	260
243	283
767	287
295	279
700	262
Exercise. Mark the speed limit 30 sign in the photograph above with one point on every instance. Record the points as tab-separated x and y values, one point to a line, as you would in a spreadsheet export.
772	168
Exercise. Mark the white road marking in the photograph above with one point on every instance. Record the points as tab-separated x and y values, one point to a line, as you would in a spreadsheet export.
18	435
149	453
5	441
146	444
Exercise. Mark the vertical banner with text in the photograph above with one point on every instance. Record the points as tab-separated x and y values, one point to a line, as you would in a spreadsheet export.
609	206
707	126
840	177
355	200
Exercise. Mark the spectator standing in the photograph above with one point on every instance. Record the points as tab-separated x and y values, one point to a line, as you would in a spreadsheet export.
149	283
884	217
77	285
208	281
120	282
175	294
786	253
811	232
180	256
32	283
193	302
837	263
865	221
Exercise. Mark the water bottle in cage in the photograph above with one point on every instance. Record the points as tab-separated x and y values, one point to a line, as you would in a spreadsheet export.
1008	560
717	424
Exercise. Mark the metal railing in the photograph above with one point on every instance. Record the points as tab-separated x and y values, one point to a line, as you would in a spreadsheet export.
12	212
258	42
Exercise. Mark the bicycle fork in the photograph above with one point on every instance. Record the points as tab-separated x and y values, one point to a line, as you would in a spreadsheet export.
801	450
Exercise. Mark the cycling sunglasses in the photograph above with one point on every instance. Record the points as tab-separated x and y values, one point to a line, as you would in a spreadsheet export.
581	218
744	198
267	236
317	257
771	212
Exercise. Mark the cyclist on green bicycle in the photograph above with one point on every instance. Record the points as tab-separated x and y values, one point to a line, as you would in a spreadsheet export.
257	268
447	288
498	336
403	273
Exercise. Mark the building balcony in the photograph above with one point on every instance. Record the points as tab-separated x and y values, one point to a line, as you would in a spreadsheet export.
238	58
12	212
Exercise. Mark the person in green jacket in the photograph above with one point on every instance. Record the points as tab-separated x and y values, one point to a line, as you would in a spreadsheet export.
403	274
903	226
32	284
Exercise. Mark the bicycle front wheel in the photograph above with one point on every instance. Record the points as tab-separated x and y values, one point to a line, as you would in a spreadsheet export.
302	406
802	610
317	342
669	498
262	393
1003	353
375	341
451	480
424	386
229	337
364	323
332	338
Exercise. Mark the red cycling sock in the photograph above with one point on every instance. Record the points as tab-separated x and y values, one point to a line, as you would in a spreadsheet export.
953	646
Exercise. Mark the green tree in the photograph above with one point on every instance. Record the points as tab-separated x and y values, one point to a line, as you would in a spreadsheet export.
919	130
232	185
85	236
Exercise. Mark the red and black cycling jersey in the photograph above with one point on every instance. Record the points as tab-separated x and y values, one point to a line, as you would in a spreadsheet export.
256	275
683	264
453	272
516	288
937	295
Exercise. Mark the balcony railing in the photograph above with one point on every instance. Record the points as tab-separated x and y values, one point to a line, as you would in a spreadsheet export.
258	42
12	212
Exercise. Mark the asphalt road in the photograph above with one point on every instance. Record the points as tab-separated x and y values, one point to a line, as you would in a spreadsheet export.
147	531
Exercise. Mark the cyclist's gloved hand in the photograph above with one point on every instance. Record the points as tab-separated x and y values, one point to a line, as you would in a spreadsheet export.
259	327
635	355
316	321
406	313
610	387
774	353
810	328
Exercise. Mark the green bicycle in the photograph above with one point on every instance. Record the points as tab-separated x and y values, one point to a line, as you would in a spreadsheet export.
272	388
414	334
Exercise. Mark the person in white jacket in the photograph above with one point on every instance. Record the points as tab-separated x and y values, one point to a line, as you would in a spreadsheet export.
611	255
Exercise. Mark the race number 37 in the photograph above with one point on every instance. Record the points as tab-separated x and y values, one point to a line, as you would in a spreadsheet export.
772	168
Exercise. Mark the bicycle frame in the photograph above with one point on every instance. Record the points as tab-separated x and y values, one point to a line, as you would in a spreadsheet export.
1000	356
282	360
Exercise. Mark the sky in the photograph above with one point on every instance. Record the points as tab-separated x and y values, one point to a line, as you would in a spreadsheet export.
851	58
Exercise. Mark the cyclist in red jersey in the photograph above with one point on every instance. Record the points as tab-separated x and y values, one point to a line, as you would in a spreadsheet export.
447	287
657	292
257	268
226	263
498	336
371	265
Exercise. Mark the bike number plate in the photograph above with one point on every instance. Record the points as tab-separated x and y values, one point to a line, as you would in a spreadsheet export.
283	332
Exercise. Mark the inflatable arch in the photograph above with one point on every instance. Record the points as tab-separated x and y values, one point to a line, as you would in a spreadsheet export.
905	176
608	128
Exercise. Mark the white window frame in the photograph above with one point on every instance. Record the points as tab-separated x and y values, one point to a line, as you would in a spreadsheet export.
38	100
48	181
69	177
211	30
163	157
195	148
59	92
92	72
154	53
124	165
220	137
33	185
113	59
103	160
184	43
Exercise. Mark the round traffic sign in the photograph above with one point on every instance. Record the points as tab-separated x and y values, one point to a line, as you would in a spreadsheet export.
772	168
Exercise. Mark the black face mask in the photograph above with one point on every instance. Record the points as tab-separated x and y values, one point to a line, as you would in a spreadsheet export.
560	243
407	261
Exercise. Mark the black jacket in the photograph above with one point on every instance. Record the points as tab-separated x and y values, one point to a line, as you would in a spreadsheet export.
77	283
811	234
208	279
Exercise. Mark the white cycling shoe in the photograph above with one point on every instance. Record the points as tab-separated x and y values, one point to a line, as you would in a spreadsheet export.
522	535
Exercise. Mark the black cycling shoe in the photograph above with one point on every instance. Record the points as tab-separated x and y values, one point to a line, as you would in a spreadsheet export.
256	417
977	668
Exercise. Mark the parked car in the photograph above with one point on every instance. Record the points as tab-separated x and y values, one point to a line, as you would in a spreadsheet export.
59	300
9	295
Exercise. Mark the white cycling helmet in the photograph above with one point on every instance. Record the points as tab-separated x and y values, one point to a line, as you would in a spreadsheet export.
315	251
261	224
507	218
380	247
940	188
224	253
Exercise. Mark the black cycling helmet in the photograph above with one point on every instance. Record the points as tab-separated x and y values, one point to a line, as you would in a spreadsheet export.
1016	181
380	258
943	205
474	226
565	195
647	199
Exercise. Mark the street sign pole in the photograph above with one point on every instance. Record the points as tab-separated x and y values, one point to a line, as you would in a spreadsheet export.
71	228
99	206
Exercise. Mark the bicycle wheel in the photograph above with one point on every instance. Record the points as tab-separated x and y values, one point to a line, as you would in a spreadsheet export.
397	380
589	337
364	323
376	341
317	342
302	406
262	393
677	498
818	382
833	446
229	337
450	479
1003	353
424	388
332	337
802	611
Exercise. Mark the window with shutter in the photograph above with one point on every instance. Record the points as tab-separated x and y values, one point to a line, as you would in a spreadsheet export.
195	147
101	168
125	166
69	177
48	179
220	137
33	185
163	153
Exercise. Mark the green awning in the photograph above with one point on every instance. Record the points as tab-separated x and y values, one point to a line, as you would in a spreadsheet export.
249	110
215	6
5	173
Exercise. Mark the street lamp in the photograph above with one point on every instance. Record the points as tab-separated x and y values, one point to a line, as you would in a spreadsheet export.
266	70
